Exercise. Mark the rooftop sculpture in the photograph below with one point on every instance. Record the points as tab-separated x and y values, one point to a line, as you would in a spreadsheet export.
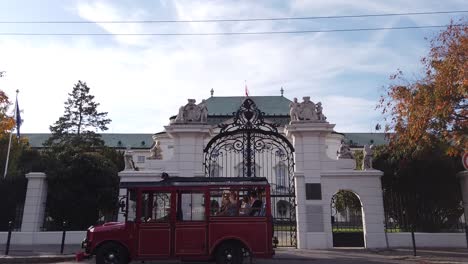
307	111
192	113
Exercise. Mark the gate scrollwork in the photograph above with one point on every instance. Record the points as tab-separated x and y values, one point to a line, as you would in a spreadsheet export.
249	146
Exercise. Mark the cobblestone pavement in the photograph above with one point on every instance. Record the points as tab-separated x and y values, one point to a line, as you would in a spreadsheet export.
355	256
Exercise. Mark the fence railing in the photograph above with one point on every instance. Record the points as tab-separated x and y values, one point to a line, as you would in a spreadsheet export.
414	213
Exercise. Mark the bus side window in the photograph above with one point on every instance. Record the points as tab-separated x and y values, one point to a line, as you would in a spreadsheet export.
162	207
155	206
191	206
132	204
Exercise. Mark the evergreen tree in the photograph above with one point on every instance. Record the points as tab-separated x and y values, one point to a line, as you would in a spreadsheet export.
81	171
79	122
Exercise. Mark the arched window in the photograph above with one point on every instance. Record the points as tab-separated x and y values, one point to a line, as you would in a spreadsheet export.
239	169
280	173
215	170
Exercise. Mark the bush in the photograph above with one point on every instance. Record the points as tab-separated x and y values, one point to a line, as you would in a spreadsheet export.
12	194
82	188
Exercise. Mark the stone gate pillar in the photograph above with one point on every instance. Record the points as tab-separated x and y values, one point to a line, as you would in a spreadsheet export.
35	202
308	139
189	141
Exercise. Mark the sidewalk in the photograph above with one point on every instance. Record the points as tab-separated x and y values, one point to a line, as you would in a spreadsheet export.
399	255
38	253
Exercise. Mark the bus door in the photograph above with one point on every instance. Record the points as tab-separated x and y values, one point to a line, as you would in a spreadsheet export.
154	225
190	237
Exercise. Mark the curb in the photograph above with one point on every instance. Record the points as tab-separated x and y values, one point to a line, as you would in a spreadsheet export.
35	259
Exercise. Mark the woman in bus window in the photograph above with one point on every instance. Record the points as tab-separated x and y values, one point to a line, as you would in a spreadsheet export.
229	205
245	206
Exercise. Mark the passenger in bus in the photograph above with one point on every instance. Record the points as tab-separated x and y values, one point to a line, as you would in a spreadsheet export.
214	207
255	204
228	205
245	206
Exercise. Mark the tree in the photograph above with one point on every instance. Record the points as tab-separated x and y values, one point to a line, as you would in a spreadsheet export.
423	190
80	120
79	165
82	188
436	105
22	160
6	122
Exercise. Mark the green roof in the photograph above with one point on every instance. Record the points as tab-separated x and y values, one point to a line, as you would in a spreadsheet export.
270	105
360	139
135	141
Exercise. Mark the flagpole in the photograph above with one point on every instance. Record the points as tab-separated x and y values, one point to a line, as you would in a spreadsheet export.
11	135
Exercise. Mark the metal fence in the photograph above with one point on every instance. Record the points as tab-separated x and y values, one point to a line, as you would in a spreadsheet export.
417	213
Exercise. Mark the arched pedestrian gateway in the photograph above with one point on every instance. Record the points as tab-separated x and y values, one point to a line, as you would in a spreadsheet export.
249	146
347	220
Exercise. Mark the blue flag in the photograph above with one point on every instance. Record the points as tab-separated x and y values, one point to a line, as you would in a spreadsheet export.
18	119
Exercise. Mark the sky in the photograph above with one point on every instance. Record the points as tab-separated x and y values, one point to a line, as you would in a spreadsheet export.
142	80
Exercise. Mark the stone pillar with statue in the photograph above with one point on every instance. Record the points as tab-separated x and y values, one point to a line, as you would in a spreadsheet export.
189	131
308	132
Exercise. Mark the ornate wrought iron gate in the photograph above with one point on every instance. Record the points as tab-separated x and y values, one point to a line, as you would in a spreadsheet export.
251	147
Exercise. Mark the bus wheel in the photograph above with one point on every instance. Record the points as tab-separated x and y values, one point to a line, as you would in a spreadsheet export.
229	253
111	253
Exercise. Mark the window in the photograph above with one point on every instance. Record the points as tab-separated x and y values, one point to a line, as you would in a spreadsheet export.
313	191
280	172
141	159
131	205
237	202
191	206
239	168
215	170
155	207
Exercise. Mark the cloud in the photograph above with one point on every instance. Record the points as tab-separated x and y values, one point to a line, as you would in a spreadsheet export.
350	114
141	82
103	11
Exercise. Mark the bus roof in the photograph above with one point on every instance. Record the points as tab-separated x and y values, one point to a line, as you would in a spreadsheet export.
198	181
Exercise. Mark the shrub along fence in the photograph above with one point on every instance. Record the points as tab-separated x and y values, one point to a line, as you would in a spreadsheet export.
424	215
12	195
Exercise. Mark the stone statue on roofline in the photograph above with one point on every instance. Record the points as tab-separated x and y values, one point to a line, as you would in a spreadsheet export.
294	108
156	151
307	111
204	111
344	152
128	158
192	113
320	114
368	152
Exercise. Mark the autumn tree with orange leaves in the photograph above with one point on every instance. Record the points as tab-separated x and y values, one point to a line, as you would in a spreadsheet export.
433	109
6	122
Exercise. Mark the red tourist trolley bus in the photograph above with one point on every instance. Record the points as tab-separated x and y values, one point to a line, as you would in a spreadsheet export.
196	218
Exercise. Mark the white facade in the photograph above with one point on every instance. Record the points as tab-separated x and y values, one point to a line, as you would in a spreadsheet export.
315	146
315	162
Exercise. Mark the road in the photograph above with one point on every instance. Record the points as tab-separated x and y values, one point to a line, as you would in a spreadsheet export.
353	256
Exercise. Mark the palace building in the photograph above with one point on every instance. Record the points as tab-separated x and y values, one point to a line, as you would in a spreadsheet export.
291	143
310	167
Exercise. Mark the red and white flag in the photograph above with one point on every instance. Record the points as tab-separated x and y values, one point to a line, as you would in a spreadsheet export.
246	89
